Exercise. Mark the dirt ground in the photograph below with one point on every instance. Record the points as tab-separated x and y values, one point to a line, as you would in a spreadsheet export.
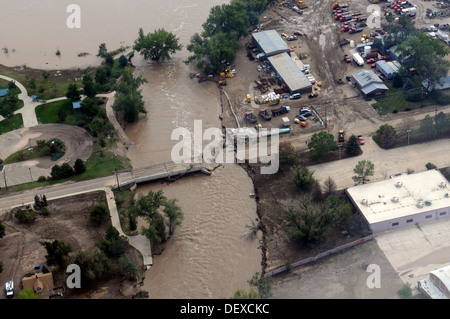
68	221
340	105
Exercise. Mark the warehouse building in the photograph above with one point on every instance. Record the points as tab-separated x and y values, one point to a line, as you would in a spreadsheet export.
290	73
402	200
368	83
437	286
388	69
269	42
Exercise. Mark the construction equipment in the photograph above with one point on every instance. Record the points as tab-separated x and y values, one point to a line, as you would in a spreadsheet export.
341	136
302	5
249	98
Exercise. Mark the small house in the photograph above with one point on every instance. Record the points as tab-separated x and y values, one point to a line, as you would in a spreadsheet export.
41	284
76	105
368	83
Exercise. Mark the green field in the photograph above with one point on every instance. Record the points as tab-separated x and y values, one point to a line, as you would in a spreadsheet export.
25	155
13	123
48	113
395	101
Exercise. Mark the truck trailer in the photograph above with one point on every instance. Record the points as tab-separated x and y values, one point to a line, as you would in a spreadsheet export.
358	59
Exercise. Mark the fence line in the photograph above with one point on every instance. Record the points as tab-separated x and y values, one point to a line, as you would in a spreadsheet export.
321	255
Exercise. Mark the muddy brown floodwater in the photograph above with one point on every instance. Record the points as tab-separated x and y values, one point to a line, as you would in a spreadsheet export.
208	256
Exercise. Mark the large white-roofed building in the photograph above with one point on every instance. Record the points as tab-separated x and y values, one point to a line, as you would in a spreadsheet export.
437	286
402	200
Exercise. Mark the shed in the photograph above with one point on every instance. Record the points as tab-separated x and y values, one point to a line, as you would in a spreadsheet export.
41	284
3	92
368	83
388	69
76	105
34	98
443	85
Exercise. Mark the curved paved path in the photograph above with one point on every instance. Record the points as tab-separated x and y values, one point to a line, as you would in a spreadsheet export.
28	109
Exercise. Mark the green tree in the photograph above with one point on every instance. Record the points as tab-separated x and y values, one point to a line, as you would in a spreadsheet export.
397	81
66	170
287	153
317	191
123	61
102	51
109	60
99	213
62	115
322	143
352	148
303	177
94	266
27	293
57	252
56	172
329	187
430	166
25	216
363	170
2	230
130	104
427	127
441	123
250	294
79	166
157	46
126	268
306	224
174	214
385	136
72	92
89	107
89	87
427	56
408	85
262	284
338	212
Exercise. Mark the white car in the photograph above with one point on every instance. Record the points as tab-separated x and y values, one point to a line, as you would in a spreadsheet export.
295	96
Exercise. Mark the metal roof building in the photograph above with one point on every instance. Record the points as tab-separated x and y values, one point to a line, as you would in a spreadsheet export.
388	69
445	83
437	286
368	83
269	42
290	73
402	200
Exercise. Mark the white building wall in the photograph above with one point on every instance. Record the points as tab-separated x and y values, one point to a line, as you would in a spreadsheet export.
410	220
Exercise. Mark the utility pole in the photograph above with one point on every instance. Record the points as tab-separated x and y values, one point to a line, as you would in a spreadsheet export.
4	176
407	132
340	145
115	169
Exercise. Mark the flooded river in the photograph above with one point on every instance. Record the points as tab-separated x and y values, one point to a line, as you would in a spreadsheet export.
208	256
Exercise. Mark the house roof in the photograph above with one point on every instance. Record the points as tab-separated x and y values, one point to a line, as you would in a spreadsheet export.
366	77
3	92
290	72
390	67
270	42
445	83
40	283
76	104
374	86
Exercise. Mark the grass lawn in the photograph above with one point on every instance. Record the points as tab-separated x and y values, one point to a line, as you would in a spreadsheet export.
3	84
25	155
13	123
395	102
48	113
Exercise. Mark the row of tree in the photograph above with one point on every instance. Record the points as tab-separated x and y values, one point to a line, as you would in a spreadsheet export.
9	103
66	171
219	40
